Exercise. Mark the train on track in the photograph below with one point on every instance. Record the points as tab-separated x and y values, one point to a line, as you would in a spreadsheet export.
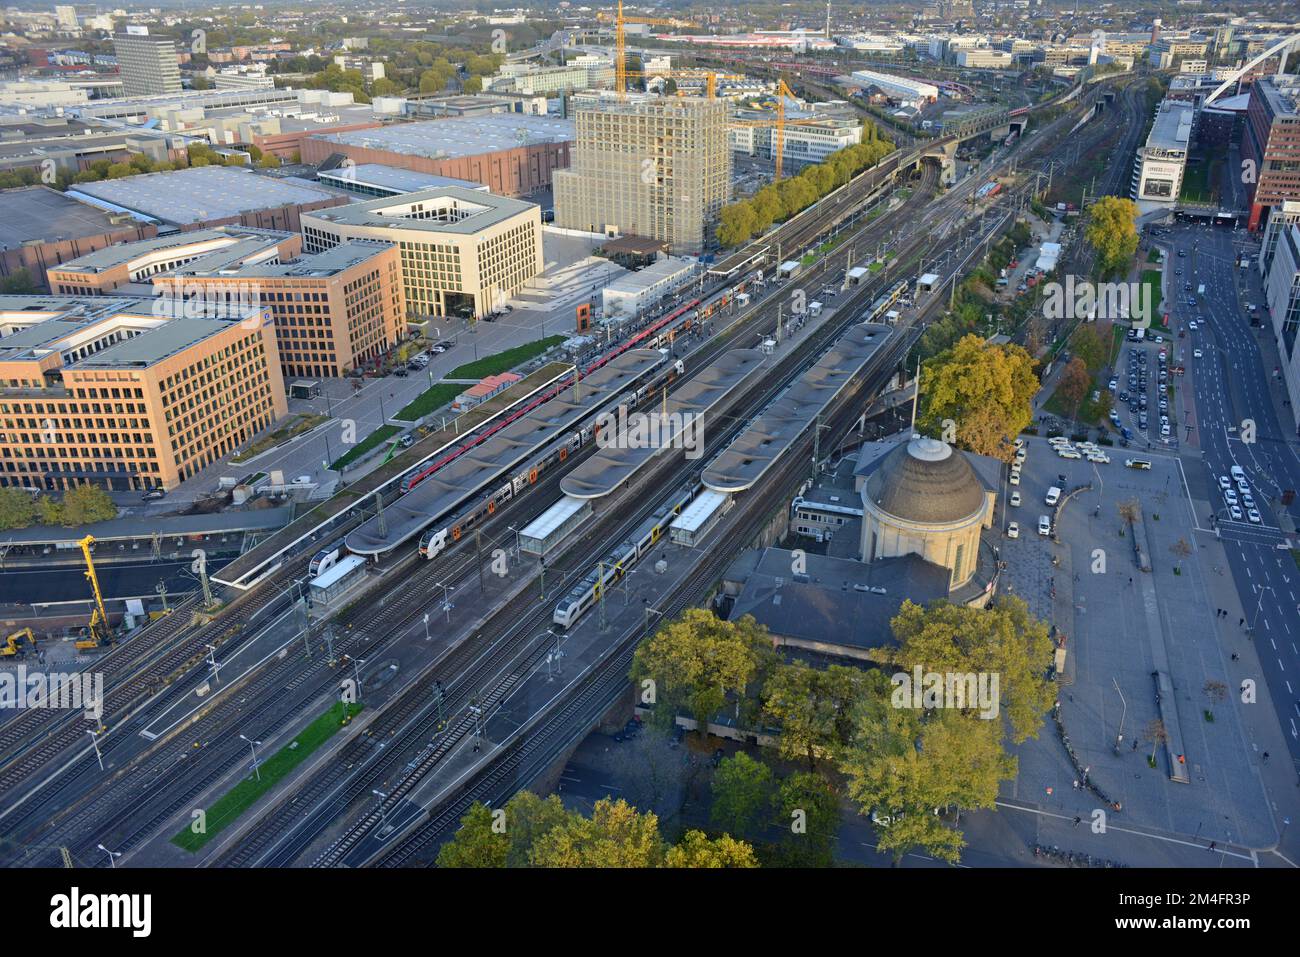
326	558
880	308
616	564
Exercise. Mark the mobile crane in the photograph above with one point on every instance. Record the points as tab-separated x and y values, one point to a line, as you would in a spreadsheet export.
99	632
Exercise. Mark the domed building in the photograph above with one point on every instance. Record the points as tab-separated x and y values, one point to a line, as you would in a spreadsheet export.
925	498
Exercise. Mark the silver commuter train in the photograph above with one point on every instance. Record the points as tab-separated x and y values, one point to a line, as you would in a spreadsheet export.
616	564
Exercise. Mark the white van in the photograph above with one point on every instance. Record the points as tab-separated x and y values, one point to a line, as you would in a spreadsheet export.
1237	472
1053	495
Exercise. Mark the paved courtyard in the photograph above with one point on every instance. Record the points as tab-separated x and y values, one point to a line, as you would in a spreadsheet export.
1121	625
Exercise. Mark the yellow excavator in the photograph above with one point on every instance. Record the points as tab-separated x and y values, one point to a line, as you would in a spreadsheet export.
99	632
13	644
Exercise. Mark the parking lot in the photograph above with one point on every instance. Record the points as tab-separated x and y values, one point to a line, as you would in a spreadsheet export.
1119	626
1142	381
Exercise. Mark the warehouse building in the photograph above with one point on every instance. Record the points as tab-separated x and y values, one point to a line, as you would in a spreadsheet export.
511	154
41	228
463	252
128	393
206	196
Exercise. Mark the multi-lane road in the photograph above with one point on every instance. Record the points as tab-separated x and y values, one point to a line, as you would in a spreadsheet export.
1235	423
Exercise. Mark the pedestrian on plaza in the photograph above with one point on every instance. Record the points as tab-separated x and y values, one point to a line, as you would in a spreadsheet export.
1234	656
1213	845
1241	622
1077	820
1266	756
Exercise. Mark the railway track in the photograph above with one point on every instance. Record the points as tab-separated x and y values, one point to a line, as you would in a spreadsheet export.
549	734
535	748
284	676
134	672
413	717
377	816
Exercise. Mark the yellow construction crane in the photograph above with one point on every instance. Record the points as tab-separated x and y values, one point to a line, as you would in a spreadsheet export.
779	124
620	41
100	633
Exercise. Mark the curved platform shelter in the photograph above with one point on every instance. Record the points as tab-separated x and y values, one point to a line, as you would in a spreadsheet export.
770	435
473	473
678	421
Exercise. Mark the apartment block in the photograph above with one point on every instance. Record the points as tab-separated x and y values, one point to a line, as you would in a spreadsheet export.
331	311
656	167
463	251
148	64
129	393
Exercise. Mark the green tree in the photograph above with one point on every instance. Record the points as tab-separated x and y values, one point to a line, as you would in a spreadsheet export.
385	87
908	762
18	283
475	844
17	509
808	812
742	795
985	390
1074	384
1112	233
121	171
1088	344
269	161
737	224
815	709
614	836
697	850
698	660
1003	640
86	504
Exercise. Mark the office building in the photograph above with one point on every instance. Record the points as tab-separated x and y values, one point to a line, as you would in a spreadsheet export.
129	394
1282	295
333	310
463	252
648	166
148	64
801	145
1159	165
128	269
1270	144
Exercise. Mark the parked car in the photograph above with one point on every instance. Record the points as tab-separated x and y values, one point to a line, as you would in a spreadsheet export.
1044	526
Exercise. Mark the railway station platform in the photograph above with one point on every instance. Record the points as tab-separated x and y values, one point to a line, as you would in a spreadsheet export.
473	474
769	436
708	391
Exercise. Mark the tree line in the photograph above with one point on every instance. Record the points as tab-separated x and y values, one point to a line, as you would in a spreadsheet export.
741	221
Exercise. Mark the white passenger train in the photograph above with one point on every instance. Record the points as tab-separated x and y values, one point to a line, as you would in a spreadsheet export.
617	563
436	538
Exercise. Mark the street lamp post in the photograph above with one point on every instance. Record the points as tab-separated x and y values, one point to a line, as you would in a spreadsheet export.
252	746
446	599
95	741
1259	605
383	815
356	670
112	855
427	636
